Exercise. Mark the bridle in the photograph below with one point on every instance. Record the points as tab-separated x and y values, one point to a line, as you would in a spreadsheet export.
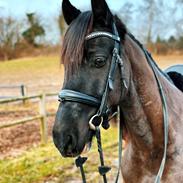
101	117
75	96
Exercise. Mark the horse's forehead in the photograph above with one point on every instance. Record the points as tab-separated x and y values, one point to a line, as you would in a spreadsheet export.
99	44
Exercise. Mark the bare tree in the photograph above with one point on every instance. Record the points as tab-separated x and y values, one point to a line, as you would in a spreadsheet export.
179	20
126	12
61	24
9	36
152	14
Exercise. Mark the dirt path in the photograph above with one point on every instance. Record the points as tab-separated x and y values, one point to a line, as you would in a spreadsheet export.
15	140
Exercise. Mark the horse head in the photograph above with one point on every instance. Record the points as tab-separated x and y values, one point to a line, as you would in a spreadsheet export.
90	54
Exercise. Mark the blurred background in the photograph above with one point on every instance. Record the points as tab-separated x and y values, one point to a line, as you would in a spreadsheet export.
31	76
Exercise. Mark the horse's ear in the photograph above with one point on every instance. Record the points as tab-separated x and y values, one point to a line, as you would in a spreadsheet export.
101	13
69	11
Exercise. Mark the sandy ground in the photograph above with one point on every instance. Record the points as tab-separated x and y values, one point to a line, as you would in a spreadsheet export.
14	140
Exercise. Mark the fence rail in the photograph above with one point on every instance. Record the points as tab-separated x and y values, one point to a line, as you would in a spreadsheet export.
42	113
22	88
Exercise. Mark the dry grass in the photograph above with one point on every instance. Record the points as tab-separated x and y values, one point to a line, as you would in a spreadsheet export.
37	74
168	60
41	70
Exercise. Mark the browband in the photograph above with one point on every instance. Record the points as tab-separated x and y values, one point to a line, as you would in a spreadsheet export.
100	34
74	96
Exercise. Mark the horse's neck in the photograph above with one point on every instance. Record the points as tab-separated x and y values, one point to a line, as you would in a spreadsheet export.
142	107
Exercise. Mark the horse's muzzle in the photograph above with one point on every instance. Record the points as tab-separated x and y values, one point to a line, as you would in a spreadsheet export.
66	144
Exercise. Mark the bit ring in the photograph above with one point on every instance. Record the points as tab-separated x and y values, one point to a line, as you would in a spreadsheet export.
91	125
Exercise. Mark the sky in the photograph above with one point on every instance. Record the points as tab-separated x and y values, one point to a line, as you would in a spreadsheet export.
48	11
18	8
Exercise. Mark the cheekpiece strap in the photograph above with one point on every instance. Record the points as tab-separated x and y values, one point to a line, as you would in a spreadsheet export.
102	34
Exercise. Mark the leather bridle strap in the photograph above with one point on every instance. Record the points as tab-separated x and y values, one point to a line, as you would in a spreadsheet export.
74	96
120	146
96	34
165	117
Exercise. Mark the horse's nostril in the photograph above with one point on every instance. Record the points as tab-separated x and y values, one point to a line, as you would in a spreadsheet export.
69	139
66	143
70	142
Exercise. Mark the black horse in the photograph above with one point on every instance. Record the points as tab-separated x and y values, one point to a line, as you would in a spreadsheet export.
105	67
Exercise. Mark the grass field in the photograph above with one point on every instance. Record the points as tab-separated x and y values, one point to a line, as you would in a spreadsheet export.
30	68
35	73
44	163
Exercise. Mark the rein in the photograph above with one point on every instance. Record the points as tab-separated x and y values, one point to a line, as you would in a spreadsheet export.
102	115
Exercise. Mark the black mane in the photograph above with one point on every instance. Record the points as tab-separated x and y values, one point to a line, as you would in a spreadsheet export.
73	42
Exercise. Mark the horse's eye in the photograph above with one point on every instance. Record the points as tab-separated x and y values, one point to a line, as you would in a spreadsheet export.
99	62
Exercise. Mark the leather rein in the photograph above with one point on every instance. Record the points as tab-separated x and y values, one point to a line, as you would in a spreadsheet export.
102	115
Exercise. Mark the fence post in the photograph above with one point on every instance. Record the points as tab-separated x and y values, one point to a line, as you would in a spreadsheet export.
23	91
43	125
